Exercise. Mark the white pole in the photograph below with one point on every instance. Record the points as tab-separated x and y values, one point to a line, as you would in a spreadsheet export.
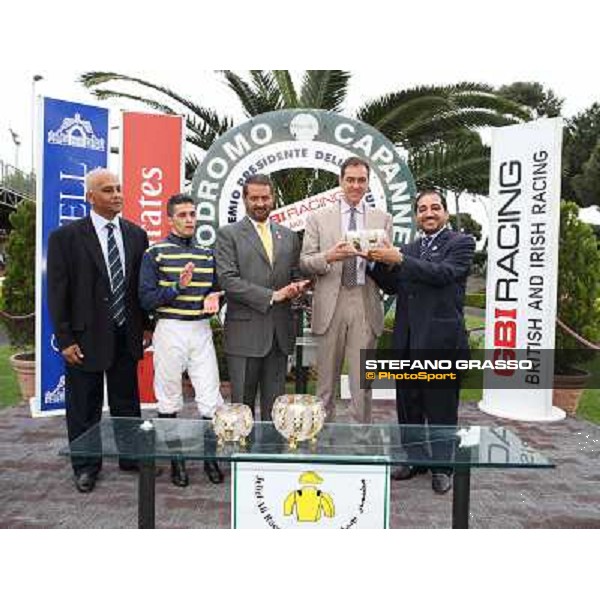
34	80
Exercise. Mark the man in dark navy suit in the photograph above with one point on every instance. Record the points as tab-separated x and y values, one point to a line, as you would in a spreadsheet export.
429	278
93	274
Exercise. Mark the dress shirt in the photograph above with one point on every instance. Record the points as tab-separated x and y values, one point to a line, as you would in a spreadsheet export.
431	237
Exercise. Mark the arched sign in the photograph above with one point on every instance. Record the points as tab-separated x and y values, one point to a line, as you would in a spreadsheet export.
301	139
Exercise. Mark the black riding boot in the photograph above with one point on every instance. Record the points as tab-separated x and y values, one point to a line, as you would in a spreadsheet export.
211	467
179	475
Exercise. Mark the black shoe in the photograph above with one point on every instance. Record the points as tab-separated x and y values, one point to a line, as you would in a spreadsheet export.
179	475
211	468
441	483
85	482
407	472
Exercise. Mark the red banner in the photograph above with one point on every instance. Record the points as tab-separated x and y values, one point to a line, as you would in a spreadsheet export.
151	169
152	159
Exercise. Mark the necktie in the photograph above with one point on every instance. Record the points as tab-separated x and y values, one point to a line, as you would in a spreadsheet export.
349	274
426	246
117	279
265	238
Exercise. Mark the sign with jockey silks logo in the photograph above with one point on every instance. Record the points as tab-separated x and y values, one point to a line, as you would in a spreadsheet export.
309	496
74	141
299	139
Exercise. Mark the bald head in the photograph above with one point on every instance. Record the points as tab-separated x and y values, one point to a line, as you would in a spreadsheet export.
92	178
103	192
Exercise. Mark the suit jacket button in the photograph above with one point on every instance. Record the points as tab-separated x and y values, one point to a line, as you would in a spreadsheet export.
105	299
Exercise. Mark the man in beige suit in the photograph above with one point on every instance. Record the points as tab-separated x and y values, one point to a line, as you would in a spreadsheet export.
347	310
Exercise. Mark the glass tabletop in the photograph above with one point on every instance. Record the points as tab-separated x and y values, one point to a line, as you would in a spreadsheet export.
337	443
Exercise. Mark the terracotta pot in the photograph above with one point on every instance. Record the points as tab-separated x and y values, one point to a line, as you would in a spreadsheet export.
24	366
568	390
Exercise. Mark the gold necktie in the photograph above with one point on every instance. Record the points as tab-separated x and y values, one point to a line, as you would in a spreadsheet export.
265	238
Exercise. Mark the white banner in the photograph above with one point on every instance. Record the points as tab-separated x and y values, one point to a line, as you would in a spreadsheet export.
523	268
294	216
309	496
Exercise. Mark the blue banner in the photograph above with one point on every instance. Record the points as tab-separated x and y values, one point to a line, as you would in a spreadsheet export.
75	141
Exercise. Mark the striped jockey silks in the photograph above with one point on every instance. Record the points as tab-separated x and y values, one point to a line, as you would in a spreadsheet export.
161	268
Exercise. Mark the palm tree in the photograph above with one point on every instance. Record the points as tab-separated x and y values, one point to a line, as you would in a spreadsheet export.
437	125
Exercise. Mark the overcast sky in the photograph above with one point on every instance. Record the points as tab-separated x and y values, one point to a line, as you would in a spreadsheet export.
388	50
207	88
387	46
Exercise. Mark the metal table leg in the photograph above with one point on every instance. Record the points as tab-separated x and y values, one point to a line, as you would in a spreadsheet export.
460	498
146	492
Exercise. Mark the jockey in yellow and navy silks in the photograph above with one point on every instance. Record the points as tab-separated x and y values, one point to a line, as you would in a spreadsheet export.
160	291
177	284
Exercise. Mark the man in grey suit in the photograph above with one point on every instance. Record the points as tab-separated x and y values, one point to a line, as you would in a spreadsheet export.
347	309
257	262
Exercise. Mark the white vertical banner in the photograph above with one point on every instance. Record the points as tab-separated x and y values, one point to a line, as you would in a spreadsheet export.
523	268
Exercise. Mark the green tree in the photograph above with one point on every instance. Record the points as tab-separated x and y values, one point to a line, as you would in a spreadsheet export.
425	121
578	287
581	138
468	225
587	183
18	290
542	102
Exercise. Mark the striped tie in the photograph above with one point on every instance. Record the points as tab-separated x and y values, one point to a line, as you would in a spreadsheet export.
117	280
426	247
349	270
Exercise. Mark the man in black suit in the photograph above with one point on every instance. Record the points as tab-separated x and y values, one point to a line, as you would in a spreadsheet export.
93	273
429	278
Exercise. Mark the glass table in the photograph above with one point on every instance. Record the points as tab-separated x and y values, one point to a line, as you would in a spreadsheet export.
460	448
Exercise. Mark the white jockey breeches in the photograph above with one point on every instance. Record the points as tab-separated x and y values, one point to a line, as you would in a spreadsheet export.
185	346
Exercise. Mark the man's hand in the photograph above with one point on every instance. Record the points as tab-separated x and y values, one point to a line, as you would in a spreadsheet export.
340	251
211	303
186	275
292	290
302	286
147	339
386	253
73	355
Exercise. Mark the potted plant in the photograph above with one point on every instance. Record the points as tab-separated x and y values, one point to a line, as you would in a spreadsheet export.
578	306
18	295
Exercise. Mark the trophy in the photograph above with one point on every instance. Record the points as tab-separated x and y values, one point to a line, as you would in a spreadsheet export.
298	417
233	423
366	239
